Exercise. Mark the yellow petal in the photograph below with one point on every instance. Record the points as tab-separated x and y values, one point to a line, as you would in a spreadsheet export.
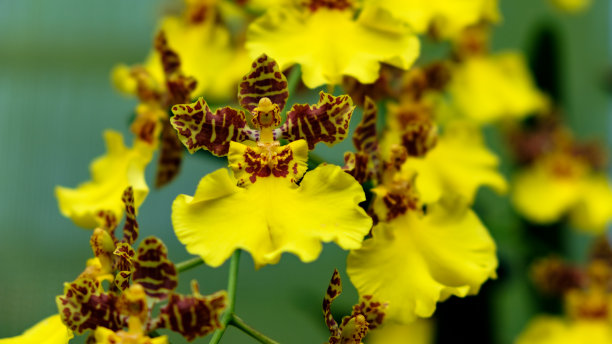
459	164
488	88
110	175
449	16
329	44
555	330
217	73
106	336
418	332
543	197
412	262
48	331
270	217
593	211
571	6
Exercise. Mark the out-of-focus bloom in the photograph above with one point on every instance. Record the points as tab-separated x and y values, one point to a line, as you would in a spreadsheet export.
328	42
48	331
572	6
457	161
367	315
194	35
418	257
110	175
588	308
560	183
420	331
260	207
489	88
556	330
441	18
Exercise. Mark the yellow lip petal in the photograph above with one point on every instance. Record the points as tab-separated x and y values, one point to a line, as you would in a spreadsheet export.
486	89
110	175
48	331
329	44
459	164
556	330
412	262
270	217
593	211
448	16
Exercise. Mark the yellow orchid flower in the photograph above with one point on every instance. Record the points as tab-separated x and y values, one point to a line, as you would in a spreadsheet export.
415	260
559	183
572	6
588	309
557	330
328	42
110	175
420	331
367	315
488	88
133	336
260	207
48	331
442	18
194	36
418	256
457	161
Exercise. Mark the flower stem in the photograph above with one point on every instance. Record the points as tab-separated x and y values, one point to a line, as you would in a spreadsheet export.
189	264
240	324
231	297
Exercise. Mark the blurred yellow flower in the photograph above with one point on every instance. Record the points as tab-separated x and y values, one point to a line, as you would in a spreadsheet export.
456	162
442	18
110	175
558	184
205	47
48	331
328	42
415	260
557	330
489	88
572	6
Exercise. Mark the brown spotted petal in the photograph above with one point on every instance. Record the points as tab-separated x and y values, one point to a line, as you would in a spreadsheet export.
372	310
193	315
327	121
124	256
153	270
84	306
364	137
107	220
130	228
333	291
357	165
263	80
198	127
170	155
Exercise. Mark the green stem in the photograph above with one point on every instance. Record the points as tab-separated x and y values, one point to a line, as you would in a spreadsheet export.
240	324
189	264
292	83
231	297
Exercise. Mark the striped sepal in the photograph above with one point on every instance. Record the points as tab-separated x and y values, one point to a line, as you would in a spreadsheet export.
263	80
327	121
153	270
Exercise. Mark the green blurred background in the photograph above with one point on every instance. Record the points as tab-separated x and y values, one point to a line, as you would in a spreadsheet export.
56	99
